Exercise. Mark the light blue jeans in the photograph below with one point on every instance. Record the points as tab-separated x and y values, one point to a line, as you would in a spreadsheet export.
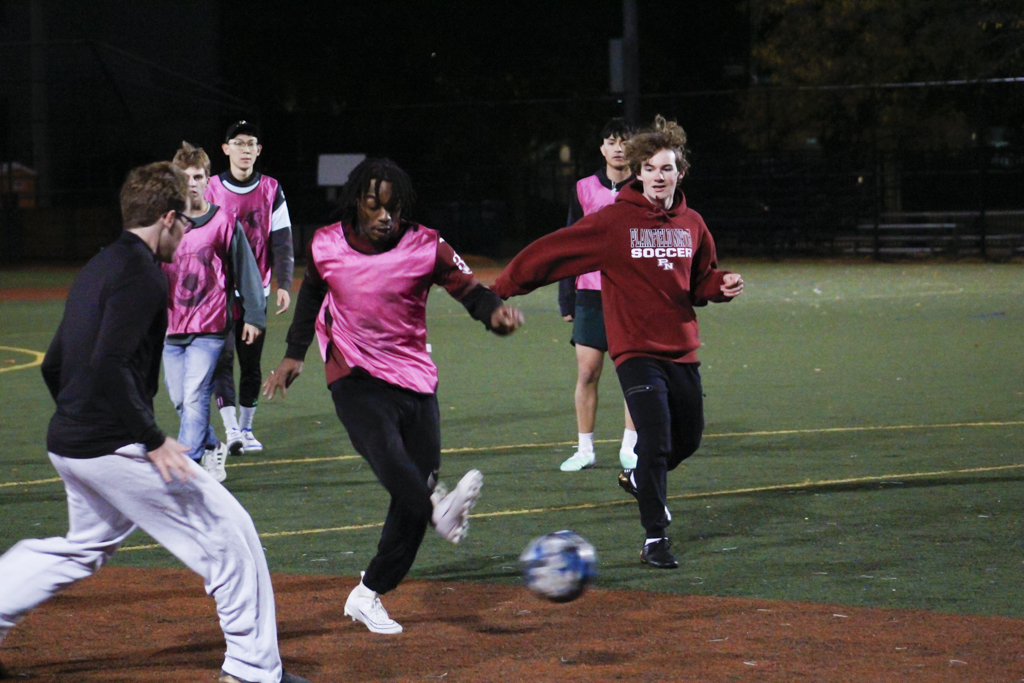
188	374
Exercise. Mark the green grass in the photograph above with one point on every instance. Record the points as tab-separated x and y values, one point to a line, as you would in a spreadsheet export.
807	347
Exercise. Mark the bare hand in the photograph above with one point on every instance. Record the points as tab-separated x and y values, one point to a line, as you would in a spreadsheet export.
172	462
567	318
732	285
284	301
282	377
249	333
505	320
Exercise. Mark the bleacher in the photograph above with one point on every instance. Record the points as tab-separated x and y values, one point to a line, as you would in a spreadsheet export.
994	234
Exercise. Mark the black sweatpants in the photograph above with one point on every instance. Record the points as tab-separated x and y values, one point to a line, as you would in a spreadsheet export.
250	375
398	432
666	402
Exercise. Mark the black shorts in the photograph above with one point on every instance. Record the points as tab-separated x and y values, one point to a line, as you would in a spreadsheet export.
588	327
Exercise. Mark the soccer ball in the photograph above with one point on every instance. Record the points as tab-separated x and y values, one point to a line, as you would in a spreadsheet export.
558	566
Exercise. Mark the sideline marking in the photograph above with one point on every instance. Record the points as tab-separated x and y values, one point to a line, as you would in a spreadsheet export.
39	355
630	501
549	444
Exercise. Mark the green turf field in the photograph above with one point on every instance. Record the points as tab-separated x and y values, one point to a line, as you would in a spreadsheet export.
864	445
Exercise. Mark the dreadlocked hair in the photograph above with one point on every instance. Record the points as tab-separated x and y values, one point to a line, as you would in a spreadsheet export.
403	197
648	142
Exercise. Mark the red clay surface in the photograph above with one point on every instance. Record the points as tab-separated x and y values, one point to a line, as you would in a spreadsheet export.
159	625
34	294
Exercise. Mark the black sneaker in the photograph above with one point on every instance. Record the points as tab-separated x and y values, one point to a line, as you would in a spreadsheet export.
658	555
627	483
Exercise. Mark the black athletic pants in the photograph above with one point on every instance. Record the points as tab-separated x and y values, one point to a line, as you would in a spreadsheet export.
250	375
667	405
398	432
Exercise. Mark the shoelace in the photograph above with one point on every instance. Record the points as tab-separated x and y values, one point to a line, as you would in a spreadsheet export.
378	613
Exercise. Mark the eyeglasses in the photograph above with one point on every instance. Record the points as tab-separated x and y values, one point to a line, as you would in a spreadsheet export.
244	144
186	222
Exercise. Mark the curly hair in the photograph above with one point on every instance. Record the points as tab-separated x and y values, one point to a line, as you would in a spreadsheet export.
151	191
403	197
648	142
189	156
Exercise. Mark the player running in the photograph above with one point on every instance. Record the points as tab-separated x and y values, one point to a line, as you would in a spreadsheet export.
657	261
258	202
212	262
119	470
364	297
580	302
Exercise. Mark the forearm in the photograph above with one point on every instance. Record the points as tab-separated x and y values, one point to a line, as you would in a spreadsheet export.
564	253
307	308
481	303
284	257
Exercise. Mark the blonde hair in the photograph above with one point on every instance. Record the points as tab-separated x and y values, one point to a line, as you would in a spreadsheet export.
648	142
151	191
190	155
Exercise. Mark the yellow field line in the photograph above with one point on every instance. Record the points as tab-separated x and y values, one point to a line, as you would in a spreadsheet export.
550	444
629	501
21	366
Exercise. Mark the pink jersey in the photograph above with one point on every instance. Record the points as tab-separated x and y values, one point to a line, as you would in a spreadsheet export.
197	294
378	305
593	196
255	207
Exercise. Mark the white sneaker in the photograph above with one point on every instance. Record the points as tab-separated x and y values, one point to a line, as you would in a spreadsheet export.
213	461
249	442
580	460
627	458
451	511
235	441
364	605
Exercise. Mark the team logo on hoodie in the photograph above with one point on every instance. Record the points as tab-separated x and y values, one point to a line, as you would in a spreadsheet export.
660	243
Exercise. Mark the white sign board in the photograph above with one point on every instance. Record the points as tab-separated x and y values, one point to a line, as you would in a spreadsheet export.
333	169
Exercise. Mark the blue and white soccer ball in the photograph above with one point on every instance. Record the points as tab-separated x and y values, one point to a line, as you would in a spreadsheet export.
558	566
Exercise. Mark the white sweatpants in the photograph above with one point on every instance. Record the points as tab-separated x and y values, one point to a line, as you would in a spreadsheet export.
199	521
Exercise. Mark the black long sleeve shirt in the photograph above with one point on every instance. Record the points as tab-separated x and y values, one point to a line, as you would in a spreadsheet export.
103	365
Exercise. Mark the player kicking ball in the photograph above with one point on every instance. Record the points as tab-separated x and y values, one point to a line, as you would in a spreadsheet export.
657	261
364	298
119	470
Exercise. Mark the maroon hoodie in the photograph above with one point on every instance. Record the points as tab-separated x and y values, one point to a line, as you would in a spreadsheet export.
655	265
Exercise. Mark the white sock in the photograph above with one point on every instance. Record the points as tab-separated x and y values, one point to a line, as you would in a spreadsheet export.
245	419
628	440
227	414
586	442
651	540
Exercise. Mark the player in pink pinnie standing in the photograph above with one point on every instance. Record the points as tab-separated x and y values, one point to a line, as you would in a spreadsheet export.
258	202
579	299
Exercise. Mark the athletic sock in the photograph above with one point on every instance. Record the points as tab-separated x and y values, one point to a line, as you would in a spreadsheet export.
586	442
628	440
227	414
245	421
652	540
